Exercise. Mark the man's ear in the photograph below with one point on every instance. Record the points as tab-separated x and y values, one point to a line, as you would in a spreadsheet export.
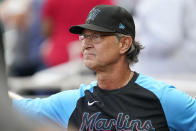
125	44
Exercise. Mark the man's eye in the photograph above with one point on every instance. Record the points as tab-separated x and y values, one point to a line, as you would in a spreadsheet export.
96	36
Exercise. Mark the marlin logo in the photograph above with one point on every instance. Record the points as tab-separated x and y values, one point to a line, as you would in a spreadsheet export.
122	122
121	26
93	13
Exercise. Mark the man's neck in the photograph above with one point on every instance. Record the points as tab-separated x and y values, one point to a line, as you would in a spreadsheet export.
114	79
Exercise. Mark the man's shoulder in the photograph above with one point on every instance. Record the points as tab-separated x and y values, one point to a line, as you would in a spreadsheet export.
155	86
76	93
144	81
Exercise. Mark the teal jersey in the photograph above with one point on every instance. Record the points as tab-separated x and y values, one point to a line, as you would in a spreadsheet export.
144	104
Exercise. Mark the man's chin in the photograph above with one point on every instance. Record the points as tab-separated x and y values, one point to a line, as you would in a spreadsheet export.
89	64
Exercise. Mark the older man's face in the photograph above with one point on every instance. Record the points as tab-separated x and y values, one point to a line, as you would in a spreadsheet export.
99	51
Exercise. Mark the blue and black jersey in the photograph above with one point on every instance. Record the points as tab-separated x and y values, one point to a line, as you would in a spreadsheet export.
144	104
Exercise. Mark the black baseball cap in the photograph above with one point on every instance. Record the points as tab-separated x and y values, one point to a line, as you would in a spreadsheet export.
107	18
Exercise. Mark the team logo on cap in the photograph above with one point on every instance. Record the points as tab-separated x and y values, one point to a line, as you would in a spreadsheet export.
93	13
121	26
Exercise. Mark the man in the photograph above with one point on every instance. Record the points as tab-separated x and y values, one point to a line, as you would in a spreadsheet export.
120	99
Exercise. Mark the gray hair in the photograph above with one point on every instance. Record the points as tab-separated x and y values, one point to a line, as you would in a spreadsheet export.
133	51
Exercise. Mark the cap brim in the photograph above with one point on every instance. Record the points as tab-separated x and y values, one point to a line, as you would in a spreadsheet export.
78	29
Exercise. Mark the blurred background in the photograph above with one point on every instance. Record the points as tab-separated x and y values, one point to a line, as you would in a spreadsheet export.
43	58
